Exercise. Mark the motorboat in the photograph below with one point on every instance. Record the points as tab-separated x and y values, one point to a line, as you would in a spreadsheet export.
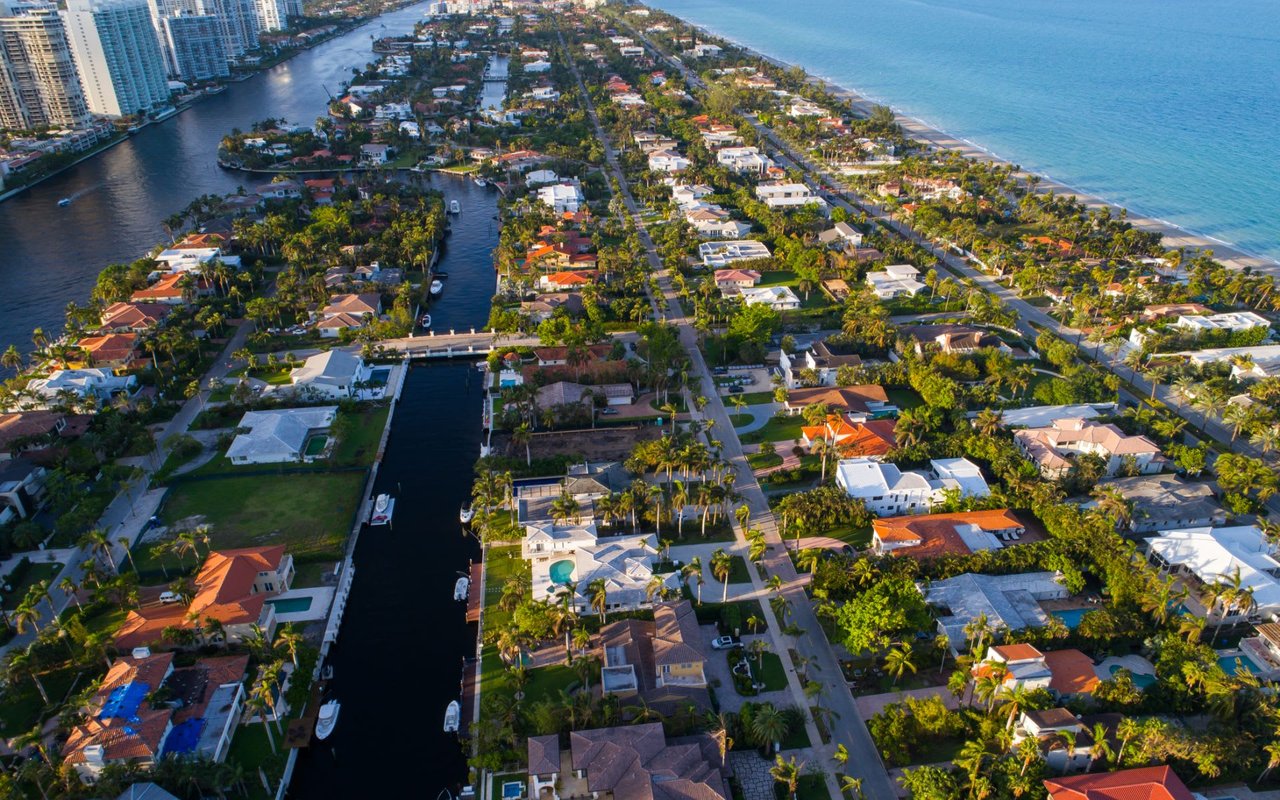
455	207
327	719
466	514
425	321
327	672
460	588
383	508
436	288
481	182
64	202
452	717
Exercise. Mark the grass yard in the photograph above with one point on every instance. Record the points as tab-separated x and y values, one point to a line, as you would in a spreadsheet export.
33	574
311	514
770	672
857	537
21	706
737	570
811	787
501	565
777	429
358	436
764	460
307	576
757	398
251	749
904	398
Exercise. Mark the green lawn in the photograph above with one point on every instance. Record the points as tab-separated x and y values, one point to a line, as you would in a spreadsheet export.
251	749
501	564
360	433
105	618
757	398
904	398
310	575
777	429
812	787
311	514
21	706
858	537
34	573
770	672
738	570
764	460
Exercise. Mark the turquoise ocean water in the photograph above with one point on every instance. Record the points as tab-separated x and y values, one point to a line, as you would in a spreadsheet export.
1168	107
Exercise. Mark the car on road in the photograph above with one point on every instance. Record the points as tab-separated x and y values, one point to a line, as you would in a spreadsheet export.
725	643
608	412
169	597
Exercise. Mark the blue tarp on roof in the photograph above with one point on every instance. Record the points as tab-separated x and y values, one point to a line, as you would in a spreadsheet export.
183	737
123	702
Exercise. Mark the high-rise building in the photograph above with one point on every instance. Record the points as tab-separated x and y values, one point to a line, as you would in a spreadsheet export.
39	86
160	11
195	40
273	15
239	21
117	55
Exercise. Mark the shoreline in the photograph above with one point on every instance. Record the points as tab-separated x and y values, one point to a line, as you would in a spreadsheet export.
1175	236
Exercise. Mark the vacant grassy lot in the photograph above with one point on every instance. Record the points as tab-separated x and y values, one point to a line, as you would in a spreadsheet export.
777	429
311	514
356	447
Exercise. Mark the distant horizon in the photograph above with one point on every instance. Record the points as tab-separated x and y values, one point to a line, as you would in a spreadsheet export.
921	58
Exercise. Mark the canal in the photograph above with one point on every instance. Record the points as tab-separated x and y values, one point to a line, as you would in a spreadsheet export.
398	659
51	255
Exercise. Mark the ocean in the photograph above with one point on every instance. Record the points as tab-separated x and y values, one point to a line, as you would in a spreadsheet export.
1167	107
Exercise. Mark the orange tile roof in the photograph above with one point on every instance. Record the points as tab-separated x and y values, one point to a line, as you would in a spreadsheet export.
855	397
1073	672
224	587
569	278
937	532
1017	652
166	287
871	438
133	315
1143	783
109	347
145	626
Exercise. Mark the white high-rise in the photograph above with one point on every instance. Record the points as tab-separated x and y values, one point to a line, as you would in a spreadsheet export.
39	86
195	42
239	24
273	15
118	56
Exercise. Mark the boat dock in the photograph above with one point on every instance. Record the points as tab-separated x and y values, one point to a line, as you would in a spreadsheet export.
469	695
475	592
298	735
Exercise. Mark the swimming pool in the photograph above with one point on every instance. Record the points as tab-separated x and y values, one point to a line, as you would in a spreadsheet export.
1228	663
561	572
291	605
1071	617
1140	679
378	376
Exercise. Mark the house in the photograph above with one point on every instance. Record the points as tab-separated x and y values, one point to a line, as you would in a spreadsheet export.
736	278
1263	649
932	535
565	281
232	587
788	195
145	791
133	317
1065	739
1055	448
572	556
743	160
662	662
896	280
110	349
348	312
1159	312
715	255
282	435
840	235
683	195
713	221
952	338
668	161
570	393
171	289
1148	783
562	197
1042	416
543	764
885	490
559	356
1164	502
539	177
801	107
543	306
821	359
333	374
96	382
1008	602
872	439
21	489
1216	555
280	190
1232	321
866	401
27	431
1247	363
1065	673
779	298
636	761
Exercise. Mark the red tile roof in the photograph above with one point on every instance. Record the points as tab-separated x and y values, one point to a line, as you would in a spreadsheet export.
1073	672
1144	783
109	348
937	532
224	587
133	316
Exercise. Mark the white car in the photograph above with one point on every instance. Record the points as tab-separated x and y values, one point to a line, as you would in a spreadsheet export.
169	597
725	643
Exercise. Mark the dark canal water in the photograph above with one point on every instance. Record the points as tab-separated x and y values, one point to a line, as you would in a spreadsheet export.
398	660
51	255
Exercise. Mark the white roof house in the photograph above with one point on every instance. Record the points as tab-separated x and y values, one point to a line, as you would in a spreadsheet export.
683	194
95	381
1231	321
1042	416
842	233
190	259
788	195
668	161
562	554
278	435
1009	602
562	197
331	374
538	177
743	159
888	491
897	280
779	298
715	255
1218	554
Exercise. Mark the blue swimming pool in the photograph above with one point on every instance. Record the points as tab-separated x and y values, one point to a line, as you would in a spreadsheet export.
1229	666
511	790
1140	679
291	605
378	376
561	572
1071	617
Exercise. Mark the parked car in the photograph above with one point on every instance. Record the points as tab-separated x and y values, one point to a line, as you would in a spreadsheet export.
169	597
735	389
608	412
725	643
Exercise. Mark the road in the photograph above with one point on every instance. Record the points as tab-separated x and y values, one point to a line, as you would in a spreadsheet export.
846	726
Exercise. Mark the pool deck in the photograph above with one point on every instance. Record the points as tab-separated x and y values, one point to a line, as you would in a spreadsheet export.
1135	664
321	599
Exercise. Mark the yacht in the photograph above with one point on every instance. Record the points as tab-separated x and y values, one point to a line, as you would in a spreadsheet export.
452	717
481	182
460	588
455	207
64	202
327	719
466	514
383	508
425	322
436	288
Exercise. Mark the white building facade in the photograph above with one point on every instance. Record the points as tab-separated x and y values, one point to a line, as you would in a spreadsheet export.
117	55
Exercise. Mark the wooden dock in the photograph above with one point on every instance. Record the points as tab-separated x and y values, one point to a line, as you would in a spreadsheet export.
298	734
475	593
468	695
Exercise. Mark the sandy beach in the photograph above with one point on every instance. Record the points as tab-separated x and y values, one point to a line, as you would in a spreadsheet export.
1175	237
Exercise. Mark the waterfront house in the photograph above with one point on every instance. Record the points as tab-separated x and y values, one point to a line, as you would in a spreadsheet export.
348	312
543	765
860	402
540	308
132	317
1055	448
1007	602
562	197
566	281
171	289
280	190
333	374
282	435
1208	555
716	255
662	662
779	298
870	439
636	761
886	490
34	431
110	349
96	382
1165	502
1148	783
573	555
375	155
736	278
933	535
896	280
1065	673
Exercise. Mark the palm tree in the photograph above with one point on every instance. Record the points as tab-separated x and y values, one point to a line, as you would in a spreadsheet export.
258	704
787	773
768	726
693	570
670	408
98	542
852	786
11	358
721	567
841	755
521	437
898	661
738	404
289	641
743	515
22	664
598	593
988	422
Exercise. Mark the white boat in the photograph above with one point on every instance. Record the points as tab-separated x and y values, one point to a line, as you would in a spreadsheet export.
383	508
327	719
436	288
466	514
460	588
481	182
64	202
425	321
452	717
455	207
